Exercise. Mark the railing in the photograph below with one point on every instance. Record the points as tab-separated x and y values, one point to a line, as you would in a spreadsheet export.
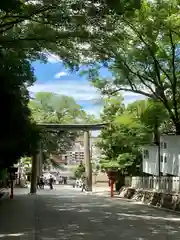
128	181
164	184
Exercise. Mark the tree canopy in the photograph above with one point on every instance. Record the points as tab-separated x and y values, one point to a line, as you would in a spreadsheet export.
47	107
143	55
130	128
19	134
29	30
61	27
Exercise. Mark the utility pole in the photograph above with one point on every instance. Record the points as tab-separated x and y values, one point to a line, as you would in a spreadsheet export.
87	157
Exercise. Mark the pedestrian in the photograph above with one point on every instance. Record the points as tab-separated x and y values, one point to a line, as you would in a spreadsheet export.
38	183
42	182
51	180
60	180
83	186
77	183
65	180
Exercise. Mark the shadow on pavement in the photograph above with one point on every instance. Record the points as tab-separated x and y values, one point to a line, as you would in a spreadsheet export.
83	217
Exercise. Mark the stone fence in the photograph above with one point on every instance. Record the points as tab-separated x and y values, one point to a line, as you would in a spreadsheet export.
163	184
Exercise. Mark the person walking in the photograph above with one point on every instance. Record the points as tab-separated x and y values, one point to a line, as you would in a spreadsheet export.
83	187
38	183
42	182
51	180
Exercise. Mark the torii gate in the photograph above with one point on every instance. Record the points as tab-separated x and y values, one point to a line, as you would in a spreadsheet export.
62	127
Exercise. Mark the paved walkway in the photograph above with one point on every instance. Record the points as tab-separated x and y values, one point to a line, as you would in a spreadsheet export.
17	216
70	215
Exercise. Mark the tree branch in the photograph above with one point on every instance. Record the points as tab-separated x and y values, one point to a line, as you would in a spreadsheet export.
156	62
142	78
130	90
64	35
25	17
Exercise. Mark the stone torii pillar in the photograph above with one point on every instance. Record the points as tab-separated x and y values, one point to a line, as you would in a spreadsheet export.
36	169
87	158
40	160
33	187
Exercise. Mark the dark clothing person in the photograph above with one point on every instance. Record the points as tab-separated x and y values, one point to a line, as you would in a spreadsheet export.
83	185
51	180
38	184
41	182
65	180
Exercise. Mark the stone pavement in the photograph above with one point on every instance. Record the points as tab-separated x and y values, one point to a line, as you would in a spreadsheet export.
67	214
17	216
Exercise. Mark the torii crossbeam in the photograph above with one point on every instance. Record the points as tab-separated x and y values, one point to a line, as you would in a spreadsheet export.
87	127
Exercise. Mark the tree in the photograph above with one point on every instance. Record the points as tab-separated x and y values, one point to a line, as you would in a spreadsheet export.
121	140
26	163
36	26
153	114
19	135
120	7
145	55
28	31
49	107
79	171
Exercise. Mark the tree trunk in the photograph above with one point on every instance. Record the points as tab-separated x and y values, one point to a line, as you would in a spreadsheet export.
177	128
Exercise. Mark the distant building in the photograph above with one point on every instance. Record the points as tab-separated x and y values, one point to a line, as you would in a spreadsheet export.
75	155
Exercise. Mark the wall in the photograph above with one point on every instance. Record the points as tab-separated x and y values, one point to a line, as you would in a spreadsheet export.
101	180
172	154
150	164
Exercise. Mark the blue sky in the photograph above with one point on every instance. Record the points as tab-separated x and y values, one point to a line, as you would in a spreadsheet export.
54	77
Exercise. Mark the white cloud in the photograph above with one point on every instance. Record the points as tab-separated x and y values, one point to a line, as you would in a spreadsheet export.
80	91
52	58
60	74
95	133
95	110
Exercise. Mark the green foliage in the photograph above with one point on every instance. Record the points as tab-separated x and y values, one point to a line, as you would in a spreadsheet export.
28	31
19	136
106	164
25	163
61	27
49	107
150	113
11	5
121	6
144	50
121	141
79	171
